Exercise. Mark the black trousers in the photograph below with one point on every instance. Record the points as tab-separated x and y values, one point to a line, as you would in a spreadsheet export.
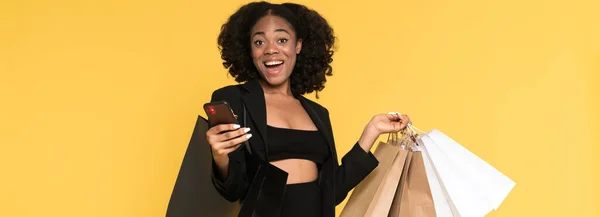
302	200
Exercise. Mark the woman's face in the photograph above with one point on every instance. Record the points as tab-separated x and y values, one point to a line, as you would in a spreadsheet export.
274	49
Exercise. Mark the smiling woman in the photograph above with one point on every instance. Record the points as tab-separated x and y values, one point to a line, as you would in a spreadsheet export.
274	49
280	52
275	32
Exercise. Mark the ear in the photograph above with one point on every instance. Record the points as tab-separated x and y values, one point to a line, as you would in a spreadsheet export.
298	46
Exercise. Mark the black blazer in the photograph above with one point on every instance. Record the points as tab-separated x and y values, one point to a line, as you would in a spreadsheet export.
335	180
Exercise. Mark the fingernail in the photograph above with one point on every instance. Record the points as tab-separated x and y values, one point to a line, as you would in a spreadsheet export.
247	129
236	126
248	136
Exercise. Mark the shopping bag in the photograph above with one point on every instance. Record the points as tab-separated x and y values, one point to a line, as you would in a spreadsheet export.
413	195
265	195
471	186
443	204
495	185
193	194
464	193
374	195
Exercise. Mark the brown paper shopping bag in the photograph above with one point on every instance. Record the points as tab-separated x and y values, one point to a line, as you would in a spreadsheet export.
413	196
374	195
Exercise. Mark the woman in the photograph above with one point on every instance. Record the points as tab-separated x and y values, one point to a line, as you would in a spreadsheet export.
280	52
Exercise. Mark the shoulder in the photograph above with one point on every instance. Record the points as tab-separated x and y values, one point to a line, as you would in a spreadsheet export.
318	107
226	93
232	94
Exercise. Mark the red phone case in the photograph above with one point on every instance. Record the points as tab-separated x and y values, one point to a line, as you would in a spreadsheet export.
220	113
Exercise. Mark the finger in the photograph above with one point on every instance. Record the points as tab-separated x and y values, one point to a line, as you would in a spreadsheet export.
397	126
236	141
404	120
233	134
393	116
222	127
408	119
212	135
228	150
223	144
403	125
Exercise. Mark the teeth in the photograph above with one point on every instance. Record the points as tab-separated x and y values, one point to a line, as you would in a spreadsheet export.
270	63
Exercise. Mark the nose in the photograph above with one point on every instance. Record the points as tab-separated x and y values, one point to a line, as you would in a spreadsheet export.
271	49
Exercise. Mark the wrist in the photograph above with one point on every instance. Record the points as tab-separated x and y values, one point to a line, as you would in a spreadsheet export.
368	137
222	164
220	159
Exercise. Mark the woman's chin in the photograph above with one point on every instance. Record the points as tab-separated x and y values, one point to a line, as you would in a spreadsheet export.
274	81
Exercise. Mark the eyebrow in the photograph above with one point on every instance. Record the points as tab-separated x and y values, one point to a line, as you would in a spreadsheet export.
277	30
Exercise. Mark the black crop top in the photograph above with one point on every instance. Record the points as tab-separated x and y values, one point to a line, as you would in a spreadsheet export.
291	143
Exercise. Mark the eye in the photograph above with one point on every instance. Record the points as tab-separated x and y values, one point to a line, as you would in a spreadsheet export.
283	40
258	42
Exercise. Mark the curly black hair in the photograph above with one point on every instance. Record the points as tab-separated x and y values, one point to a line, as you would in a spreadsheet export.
313	63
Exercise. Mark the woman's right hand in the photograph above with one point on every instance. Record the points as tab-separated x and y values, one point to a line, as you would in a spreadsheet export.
224	139
222	142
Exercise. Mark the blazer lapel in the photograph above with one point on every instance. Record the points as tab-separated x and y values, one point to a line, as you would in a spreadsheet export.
318	122
256	107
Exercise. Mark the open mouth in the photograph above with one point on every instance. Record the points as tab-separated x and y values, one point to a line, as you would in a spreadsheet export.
273	64
274	67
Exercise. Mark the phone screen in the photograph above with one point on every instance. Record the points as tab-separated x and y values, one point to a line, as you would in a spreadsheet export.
219	113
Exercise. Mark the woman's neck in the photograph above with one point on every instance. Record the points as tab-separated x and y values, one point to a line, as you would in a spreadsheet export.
282	89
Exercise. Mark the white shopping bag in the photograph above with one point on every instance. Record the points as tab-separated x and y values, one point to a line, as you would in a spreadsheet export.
442	202
469	185
462	191
495	185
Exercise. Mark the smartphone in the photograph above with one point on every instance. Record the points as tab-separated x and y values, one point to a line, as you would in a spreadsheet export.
220	113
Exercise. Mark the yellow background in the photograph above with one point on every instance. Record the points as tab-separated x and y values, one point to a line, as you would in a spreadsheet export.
99	98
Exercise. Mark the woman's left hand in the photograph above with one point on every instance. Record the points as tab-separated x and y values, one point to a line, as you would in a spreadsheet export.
389	123
383	123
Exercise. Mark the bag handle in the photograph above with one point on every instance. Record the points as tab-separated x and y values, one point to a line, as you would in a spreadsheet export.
408	138
413	128
393	139
246	143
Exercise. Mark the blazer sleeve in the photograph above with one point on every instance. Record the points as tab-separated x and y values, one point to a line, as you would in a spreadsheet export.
235	186
356	165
